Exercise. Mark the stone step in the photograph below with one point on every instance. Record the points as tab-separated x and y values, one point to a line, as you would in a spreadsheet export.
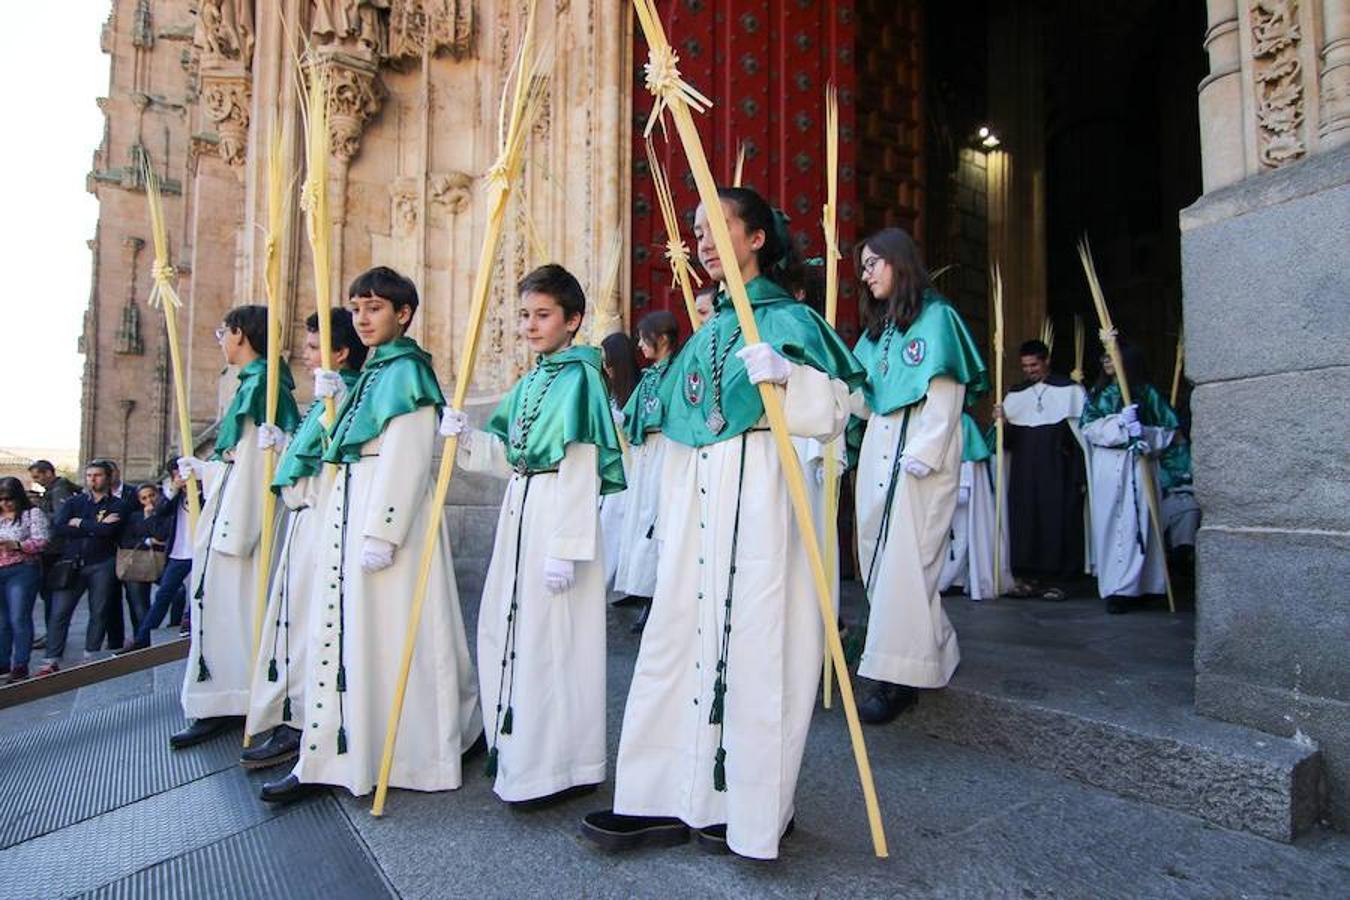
1109	701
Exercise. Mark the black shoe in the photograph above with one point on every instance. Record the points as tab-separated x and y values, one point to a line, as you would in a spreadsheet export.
641	622
612	831
200	730
287	790
130	647
713	838
1116	606
282	745
886	702
551	800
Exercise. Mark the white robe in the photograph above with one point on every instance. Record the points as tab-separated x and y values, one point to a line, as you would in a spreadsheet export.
910	641
971	549
639	549
362	618
286	624
666	750
225	565
811	455
1120	512
555	685
613	525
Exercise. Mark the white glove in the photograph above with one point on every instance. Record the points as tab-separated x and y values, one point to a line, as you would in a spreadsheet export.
915	467
819	469
963	495
1134	429
764	364
191	467
453	422
327	383
559	574
1130	413
270	437
618	417
376	554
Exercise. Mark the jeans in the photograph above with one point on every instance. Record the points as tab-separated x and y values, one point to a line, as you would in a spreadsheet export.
19	587
100	580
170	588
138	600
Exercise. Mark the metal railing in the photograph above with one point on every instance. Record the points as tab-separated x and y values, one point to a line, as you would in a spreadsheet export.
76	677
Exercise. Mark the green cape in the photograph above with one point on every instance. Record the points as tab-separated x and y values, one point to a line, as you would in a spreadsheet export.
576	409
250	402
936	343
790	327
397	379
644	409
975	447
304	454
1154	411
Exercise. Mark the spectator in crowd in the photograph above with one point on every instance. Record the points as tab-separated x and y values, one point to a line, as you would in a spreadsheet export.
56	489
115	622
145	528
89	524
173	513
23	537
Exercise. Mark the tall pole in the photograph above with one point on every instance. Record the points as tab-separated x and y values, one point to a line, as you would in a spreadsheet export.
829	223
999	489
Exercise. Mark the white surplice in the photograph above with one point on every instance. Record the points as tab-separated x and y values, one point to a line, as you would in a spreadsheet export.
910	641
639	548
547	662
668	746
360	619
969	561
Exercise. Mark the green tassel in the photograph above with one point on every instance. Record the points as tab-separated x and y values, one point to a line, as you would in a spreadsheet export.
342	740
203	673
490	770
286	710
718	701
272	669
506	721
720	770
342	679
201	589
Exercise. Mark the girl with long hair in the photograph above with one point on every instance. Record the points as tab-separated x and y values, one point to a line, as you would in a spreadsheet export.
24	534
922	367
726	676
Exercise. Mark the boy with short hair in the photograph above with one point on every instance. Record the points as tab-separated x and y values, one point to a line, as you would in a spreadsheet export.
222	586
277	698
541	625
367	564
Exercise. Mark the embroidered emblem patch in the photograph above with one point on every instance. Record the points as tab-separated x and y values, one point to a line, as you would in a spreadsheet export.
914	352
693	389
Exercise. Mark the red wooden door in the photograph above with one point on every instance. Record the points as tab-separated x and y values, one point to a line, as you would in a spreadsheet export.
765	64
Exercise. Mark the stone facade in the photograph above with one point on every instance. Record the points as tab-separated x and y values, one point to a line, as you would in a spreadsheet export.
1263	256
414	90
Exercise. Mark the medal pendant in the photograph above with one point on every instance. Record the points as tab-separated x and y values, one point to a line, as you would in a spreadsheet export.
693	389
520	466
716	421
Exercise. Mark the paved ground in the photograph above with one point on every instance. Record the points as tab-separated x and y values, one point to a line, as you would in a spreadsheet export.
961	824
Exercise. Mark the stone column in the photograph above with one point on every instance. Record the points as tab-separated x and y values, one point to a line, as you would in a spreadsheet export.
1221	115
1335	81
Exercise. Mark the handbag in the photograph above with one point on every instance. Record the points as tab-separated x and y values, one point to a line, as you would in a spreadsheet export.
140	564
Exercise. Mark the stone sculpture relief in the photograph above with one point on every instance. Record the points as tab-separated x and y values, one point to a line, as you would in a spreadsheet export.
1278	76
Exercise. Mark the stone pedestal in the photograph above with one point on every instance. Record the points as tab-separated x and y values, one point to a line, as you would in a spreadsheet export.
1268	346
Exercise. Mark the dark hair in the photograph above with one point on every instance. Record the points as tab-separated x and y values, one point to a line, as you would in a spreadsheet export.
655	324
252	321
807	283
109	464
1136	373
620	365
42	465
13	487
558	283
898	249
100	464
343	334
776	256
383	281
1035	348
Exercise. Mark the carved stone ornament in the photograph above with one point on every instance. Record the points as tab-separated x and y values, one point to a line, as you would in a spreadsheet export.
451	192
1278	77
225	31
431	27
225	100
354	96
353	25
403	213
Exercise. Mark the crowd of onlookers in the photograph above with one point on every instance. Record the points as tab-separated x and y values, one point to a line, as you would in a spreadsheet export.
127	548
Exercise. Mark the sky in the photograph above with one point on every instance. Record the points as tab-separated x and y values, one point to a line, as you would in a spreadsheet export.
53	128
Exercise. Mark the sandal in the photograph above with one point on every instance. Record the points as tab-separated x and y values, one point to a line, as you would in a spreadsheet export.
1022	591
1054	594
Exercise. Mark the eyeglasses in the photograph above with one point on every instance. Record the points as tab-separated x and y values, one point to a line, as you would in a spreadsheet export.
870	264
220	333
9	499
